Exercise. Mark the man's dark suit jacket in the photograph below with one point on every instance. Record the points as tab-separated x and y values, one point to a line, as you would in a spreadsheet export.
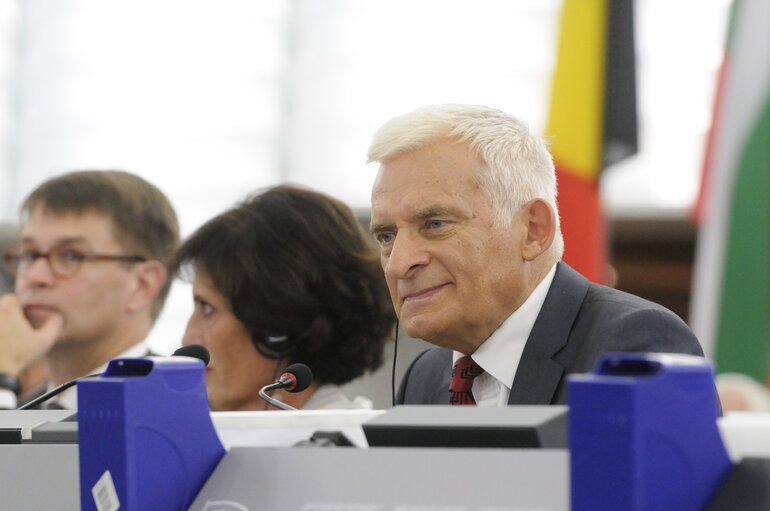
579	321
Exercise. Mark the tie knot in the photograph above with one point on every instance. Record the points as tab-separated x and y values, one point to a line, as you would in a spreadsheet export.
463	373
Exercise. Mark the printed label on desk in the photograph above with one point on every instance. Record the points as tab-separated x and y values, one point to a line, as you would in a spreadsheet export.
224	505
359	506
105	496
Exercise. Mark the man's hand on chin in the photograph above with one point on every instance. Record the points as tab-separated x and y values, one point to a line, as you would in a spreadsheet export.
20	342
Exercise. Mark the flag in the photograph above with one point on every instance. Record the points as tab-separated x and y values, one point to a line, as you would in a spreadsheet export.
592	120
730	303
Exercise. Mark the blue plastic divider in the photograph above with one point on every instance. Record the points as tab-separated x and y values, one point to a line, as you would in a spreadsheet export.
643	434
146	440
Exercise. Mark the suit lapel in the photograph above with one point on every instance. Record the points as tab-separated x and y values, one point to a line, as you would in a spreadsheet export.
538	375
440	395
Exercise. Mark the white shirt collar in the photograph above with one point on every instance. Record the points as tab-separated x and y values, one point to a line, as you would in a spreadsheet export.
500	354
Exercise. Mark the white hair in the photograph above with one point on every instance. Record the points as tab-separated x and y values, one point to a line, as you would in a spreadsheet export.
519	166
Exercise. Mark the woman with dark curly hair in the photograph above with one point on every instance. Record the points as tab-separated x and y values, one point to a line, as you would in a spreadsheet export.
288	275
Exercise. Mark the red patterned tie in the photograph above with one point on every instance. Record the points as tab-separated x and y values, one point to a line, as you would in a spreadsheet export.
463	373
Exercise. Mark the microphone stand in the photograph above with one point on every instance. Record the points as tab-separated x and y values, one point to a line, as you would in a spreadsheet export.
193	350
282	383
53	393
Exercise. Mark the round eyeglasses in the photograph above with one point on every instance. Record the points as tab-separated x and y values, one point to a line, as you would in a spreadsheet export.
64	262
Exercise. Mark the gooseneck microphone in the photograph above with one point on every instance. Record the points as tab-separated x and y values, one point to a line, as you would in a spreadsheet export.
193	350
296	378
55	392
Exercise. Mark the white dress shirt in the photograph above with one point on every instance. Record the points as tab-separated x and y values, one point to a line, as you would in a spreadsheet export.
500	354
7	399
328	397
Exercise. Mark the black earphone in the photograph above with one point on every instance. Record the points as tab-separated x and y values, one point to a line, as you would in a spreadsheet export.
272	345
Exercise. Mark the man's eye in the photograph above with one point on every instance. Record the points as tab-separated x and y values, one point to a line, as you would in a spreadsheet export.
28	256
435	224
385	237
69	255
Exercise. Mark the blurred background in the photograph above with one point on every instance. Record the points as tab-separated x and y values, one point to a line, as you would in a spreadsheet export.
212	99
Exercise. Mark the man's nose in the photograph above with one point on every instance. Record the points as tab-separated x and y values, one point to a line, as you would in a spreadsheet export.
408	253
38	272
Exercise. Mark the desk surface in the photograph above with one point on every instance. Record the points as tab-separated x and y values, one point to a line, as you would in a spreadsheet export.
387	479
44	477
40	477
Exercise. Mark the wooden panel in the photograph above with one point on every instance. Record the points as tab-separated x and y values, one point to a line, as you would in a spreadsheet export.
654	259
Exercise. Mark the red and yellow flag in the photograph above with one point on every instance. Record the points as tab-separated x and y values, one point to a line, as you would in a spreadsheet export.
592	120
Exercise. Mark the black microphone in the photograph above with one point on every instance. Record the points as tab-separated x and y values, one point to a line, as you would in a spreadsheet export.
192	350
296	378
195	351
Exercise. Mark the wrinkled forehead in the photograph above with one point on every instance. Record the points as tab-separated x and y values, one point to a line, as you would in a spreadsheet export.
403	197
440	161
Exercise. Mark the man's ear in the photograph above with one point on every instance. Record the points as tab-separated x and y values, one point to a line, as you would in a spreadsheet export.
150	278
541	228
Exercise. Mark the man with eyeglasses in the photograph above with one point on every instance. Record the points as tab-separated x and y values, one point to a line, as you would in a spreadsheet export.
90	277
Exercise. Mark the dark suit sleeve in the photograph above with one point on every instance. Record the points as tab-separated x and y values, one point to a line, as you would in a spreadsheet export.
607	321
661	331
655	330
426	381
405	380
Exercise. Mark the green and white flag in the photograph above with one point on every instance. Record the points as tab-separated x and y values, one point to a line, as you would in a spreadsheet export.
730	298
